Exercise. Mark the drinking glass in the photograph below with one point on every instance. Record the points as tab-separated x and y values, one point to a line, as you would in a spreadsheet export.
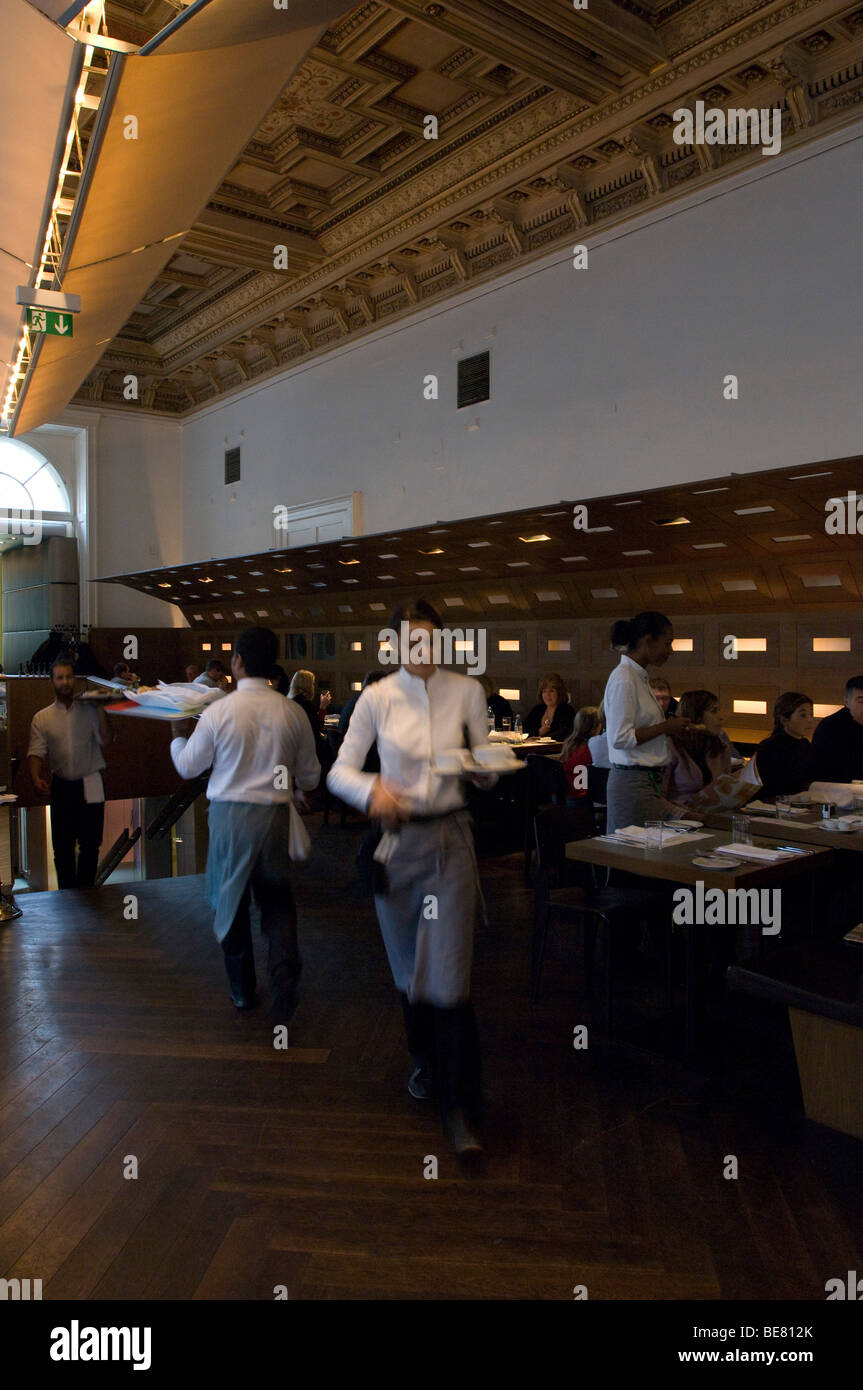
741	830
653	835
783	805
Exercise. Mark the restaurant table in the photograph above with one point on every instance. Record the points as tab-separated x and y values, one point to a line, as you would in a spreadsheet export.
673	865
802	830
550	747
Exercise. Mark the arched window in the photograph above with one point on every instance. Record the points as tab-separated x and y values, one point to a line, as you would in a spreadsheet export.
29	483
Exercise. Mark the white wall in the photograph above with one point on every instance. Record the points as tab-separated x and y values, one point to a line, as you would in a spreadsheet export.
602	379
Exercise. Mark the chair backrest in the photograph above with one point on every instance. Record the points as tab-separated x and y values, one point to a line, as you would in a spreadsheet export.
546	780
597	780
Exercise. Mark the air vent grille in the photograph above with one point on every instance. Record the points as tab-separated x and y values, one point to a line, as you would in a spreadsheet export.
474	379
232	466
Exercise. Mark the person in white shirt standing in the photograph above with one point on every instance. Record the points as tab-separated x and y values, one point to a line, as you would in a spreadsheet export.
636	729
427	906
71	734
260	747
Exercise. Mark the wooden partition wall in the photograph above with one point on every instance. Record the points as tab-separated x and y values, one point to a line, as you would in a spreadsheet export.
796	655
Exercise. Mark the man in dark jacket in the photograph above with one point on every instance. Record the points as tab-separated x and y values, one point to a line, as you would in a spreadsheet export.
838	740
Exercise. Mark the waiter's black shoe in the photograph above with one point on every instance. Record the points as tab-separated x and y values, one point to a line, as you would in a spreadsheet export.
463	1141
422	1085
243	1002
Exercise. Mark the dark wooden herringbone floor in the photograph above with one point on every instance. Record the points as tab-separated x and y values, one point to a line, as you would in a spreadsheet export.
304	1168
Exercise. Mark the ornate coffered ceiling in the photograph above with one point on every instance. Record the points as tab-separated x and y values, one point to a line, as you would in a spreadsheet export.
550	120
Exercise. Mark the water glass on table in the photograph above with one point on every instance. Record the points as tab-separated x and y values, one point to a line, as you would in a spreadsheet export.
741	830
653	830
783	805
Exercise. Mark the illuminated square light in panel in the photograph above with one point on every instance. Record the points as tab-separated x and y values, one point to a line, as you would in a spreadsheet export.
751	644
683	644
831	644
206	646
779	540
604	593
454	602
238	592
261	612
346	562
667	589
822	711
358	646
356	685
739	586
509	645
709	545
498	598
217	617
822	581
558	644
750	706
629	553
752	511
548	596
226	646
378	607
529	540
509	694
463	646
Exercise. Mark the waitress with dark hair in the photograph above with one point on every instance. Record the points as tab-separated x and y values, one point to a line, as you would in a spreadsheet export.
636	728
786	760
427	904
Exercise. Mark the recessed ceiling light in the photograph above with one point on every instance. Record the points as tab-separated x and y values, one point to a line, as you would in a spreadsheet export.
317	566
438	551
278	571
423	574
162	585
780	539
672	521
349	562
263	591
631	502
799	477
469	569
637	552
705	491
518	564
350	581
554	513
202	580
708	545
388	557
529	540
256	574
386	576
751	511
477	545
571	559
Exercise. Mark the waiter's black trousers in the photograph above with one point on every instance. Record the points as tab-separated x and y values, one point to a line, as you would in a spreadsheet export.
74	821
444	1043
279	926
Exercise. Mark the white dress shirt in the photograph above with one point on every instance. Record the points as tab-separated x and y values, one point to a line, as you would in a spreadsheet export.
247	738
69	735
413	721
598	749
629	705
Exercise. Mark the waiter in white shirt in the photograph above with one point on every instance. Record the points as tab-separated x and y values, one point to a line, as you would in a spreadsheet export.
260	746
71	734
427	910
635	726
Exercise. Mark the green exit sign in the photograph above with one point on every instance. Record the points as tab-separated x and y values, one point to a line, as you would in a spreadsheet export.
50	321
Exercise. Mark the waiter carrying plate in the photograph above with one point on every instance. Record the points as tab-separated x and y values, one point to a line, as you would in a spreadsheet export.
260	747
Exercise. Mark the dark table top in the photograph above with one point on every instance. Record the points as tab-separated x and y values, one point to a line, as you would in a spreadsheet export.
674	864
802	830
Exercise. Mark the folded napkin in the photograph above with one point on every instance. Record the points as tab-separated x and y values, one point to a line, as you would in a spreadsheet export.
504	736
757	852
636	835
842	793
766	806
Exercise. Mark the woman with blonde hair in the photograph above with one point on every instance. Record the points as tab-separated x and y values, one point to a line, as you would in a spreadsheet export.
552	716
302	690
575	752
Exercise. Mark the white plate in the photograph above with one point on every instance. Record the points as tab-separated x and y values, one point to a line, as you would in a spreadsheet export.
716	862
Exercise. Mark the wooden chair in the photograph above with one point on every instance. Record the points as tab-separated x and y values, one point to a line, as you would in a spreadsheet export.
597	781
600	910
544	784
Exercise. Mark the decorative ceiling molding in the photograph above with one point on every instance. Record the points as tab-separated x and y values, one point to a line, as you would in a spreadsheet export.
380	222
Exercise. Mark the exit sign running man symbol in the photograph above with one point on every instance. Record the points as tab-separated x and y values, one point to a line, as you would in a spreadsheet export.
50	321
